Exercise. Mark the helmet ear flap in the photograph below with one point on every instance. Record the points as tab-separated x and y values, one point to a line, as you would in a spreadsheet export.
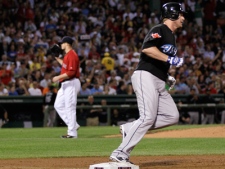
174	16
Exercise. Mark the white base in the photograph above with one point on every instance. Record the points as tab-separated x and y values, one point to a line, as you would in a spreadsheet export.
114	165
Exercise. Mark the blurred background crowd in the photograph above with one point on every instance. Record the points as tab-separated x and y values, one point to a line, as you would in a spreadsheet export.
108	35
108	38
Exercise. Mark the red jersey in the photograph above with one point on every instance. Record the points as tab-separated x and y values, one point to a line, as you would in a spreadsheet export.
71	64
5	76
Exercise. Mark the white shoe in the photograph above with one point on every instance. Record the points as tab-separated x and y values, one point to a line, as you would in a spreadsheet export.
77	126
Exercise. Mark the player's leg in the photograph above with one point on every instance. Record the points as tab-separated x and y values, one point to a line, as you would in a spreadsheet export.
167	111
71	91
60	105
144	85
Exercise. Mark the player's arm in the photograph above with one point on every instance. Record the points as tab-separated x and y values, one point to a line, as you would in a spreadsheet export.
155	53
60	77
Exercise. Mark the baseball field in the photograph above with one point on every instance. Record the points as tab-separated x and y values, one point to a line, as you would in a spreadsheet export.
175	147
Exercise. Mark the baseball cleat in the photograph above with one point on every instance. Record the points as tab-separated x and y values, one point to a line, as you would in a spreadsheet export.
122	131
120	159
77	127
68	136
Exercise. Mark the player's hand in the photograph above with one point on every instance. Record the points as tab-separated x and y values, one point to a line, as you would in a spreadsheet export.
55	79
171	82
175	61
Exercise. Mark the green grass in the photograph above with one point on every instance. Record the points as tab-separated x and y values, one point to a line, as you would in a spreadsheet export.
45	142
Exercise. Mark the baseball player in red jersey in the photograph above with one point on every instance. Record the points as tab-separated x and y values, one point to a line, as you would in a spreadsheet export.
157	108
66	99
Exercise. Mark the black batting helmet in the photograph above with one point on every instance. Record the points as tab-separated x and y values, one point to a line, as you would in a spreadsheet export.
172	10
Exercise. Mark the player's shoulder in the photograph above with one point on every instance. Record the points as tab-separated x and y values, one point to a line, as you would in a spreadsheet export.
73	52
159	27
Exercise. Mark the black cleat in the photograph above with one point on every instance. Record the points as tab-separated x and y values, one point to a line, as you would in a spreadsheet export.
68	136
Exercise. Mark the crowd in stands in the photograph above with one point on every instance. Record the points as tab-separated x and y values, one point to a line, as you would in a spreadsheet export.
108	35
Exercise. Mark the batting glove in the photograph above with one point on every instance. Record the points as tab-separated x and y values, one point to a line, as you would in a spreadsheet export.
171	82
175	61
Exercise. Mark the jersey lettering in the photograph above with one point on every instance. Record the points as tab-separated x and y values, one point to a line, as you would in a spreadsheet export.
169	49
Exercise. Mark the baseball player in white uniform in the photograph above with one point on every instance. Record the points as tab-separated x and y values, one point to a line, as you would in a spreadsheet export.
66	99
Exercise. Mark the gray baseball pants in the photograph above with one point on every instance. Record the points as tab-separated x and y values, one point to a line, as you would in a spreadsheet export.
157	109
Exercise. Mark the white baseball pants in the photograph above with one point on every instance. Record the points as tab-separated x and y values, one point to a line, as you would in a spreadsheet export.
66	102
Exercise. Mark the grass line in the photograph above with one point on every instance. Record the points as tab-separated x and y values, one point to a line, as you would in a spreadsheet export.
46	142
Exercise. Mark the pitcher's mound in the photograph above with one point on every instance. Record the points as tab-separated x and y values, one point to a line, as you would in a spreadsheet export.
207	132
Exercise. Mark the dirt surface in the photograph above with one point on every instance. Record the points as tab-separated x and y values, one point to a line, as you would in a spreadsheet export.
208	132
144	162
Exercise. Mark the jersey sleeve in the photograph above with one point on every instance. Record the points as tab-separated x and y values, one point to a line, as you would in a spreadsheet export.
153	38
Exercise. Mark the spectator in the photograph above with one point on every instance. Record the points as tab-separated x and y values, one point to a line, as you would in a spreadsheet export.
29	25
84	89
121	88
35	64
3	91
129	89
12	90
92	113
208	113
211	88
108	62
23	70
109	89
184	116
208	53
153	20
120	55
12	53
181	87
56	68
114	76
103	114
34	90
44	82
22	89
6	62
5	75
49	110
198	12
95	90
194	113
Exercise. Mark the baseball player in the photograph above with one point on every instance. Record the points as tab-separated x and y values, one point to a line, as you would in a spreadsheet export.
157	108
66	99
